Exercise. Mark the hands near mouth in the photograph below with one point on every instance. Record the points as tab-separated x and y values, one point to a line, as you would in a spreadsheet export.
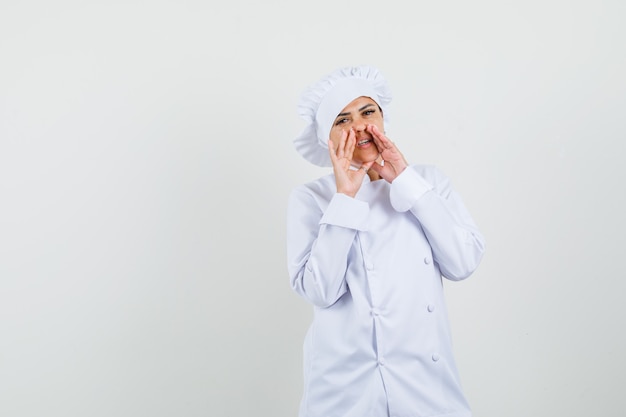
394	162
349	180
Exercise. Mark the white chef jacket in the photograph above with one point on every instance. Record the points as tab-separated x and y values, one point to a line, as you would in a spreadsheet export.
379	344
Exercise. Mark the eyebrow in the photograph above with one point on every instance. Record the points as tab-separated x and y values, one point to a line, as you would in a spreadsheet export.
361	109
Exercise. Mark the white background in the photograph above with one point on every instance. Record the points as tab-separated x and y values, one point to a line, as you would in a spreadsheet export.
146	160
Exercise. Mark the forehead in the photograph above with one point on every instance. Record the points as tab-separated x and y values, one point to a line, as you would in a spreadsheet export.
356	104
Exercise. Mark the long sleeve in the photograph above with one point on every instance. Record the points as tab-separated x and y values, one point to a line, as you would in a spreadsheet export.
372	267
456	243
319	238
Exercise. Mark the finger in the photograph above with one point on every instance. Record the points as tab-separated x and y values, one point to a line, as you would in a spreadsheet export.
375	166
376	135
342	144
360	173
332	152
380	139
385	172
350	144
366	166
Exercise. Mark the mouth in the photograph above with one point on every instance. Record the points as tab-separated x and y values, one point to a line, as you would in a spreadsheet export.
363	142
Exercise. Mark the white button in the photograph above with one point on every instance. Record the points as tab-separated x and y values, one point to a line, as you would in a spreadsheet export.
375	312
435	357
427	260
431	308
381	362
369	265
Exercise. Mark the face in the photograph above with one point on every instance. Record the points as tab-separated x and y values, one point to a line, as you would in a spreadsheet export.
359	113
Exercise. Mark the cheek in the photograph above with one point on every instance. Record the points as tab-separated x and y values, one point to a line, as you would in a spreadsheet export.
335	137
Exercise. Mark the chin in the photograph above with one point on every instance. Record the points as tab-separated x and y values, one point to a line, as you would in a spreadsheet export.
363	159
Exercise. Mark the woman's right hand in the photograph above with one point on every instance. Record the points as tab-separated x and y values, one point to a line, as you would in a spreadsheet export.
348	180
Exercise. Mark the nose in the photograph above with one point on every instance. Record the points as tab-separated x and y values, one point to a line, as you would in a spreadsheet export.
359	126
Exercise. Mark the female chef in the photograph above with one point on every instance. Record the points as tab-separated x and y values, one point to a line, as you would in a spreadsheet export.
367	246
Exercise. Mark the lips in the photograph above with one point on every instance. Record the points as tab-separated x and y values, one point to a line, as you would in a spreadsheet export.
363	142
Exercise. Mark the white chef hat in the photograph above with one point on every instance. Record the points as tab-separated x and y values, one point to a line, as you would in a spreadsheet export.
320	104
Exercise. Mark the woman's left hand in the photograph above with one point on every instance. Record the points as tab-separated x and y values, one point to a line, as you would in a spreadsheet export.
394	162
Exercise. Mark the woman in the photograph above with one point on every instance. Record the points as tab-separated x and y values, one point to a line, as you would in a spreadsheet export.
367	246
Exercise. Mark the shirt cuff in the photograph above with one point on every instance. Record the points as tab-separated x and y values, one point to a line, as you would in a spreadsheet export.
407	188
346	212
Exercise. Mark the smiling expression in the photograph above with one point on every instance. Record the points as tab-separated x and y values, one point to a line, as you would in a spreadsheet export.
359	113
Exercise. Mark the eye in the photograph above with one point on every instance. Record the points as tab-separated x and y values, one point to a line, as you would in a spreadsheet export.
369	112
341	121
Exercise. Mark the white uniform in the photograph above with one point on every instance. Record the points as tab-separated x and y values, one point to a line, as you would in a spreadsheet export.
379	344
